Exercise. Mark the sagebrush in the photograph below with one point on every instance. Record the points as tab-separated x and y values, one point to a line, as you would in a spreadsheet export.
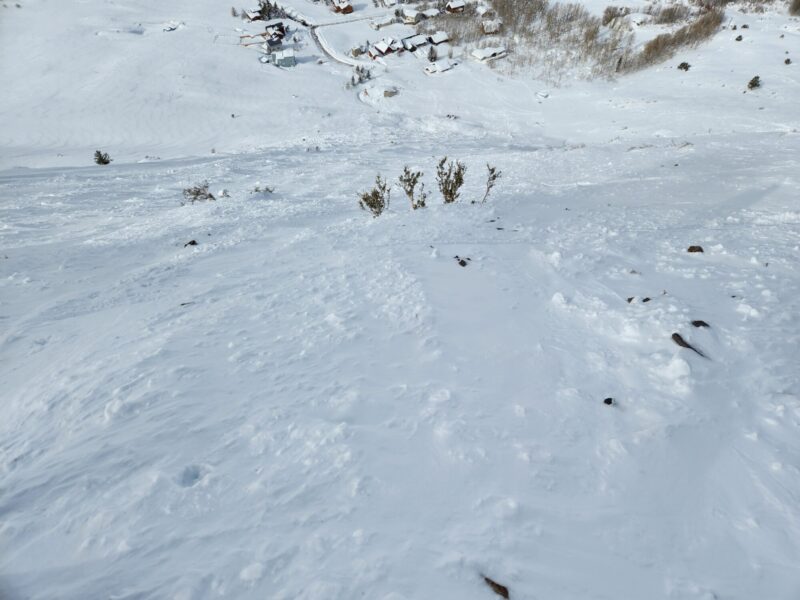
408	182
450	177
198	193
491	179
375	200
102	158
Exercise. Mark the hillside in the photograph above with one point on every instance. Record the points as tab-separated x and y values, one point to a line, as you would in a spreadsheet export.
308	402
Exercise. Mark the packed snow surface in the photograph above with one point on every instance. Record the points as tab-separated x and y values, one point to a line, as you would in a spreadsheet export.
309	403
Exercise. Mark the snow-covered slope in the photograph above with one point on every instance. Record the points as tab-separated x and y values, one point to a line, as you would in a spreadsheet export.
311	403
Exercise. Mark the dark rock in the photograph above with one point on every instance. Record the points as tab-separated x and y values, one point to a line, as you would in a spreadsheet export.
700	324
695	249
498	589
608	401
738	38
678	339
190	243
631	299
645	299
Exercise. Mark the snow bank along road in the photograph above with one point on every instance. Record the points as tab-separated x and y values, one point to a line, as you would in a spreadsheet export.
309	403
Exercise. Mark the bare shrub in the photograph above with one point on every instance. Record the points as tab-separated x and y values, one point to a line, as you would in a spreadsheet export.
102	158
711	4
450	177
262	189
198	193
665	45
684	66
667	15
556	37
460	29
491	179
375	200
613	12
409	181
794	8
754	83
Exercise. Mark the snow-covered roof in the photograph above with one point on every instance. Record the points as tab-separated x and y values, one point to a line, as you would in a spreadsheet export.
492	26
439	37
490	52
410	12
430	12
415	40
382	21
381	47
440	66
456	4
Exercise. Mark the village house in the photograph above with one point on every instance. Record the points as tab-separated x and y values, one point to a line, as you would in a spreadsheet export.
488	54
440	66
455	6
342	6
379	49
413	42
411	16
492	26
440	37
284	58
376	24
273	43
386	46
276	29
429	13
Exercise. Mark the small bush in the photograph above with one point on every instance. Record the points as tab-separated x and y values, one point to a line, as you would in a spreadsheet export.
739	38
262	189
669	14
788	61
754	83
198	193
450	177
612	12
794	8
375	200
408	181
491	179
684	66
102	158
